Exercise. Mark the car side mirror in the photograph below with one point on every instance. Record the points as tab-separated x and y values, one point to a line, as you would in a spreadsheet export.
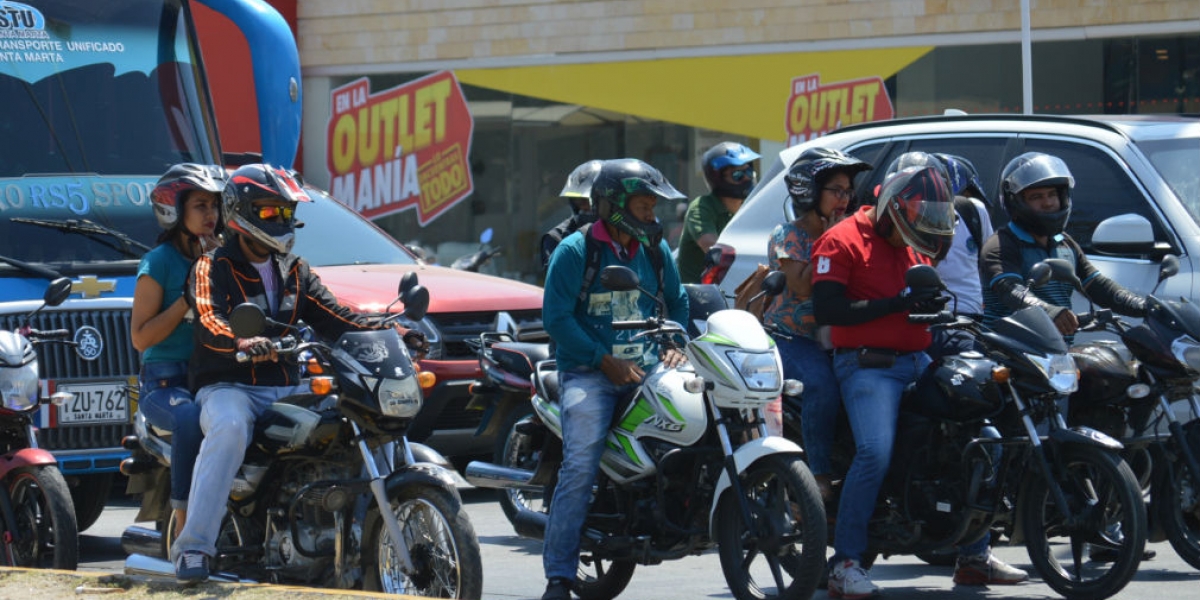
57	292
619	279
1126	235
416	302
247	320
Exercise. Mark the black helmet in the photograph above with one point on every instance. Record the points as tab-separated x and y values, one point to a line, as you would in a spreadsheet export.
964	179
918	159
811	172
728	154
621	179
579	183
1033	170
917	201
171	189
263	182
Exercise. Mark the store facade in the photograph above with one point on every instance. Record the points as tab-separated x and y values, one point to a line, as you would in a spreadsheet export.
439	124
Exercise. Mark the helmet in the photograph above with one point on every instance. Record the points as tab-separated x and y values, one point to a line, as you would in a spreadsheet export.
1031	170
918	159
579	184
621	179
172	188
964	179
263	182
917	202
811	172
728	154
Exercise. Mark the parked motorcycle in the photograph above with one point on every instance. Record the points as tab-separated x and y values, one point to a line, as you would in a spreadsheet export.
37	516
981	433
1129	390
331	492
476	260
687	466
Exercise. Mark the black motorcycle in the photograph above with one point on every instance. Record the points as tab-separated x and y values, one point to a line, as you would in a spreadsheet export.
1133	390
981	433
331	493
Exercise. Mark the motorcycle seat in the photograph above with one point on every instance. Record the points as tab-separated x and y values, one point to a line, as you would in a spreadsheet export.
518	358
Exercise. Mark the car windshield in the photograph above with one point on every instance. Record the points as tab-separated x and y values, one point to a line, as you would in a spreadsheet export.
1176	160
335	235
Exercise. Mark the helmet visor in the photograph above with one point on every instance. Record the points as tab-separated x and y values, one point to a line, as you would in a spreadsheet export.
926	226
1042	170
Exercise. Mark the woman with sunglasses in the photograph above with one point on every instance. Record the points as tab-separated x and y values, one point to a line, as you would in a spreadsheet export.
821	187
729	171
187	204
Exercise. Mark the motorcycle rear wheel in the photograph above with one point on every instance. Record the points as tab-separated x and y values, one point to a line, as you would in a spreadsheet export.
46	535
517	450
1102	491
441	542
786	539
599	579
1175	502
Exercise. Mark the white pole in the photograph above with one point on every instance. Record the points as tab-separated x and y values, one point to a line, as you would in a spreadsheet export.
1026	60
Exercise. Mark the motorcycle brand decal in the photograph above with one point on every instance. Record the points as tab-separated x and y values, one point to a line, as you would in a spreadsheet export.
957	379
402	148
90	287
370	353
88	342
814	109
661	423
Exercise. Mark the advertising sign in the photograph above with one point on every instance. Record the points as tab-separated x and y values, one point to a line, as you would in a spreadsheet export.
401	148
814	109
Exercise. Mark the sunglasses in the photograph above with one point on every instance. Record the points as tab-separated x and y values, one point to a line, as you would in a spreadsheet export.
742	174
267	213
841	193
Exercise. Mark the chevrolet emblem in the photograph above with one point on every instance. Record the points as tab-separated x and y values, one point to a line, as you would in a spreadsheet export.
90	287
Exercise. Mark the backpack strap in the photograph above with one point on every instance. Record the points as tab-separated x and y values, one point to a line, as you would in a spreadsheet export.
594	256
970	214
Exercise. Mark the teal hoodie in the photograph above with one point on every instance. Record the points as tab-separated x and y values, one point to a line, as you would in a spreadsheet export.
583	334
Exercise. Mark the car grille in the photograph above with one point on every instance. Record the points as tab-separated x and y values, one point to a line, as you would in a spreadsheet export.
118	360
456	328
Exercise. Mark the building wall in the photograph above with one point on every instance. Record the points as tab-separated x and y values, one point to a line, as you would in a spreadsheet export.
375	32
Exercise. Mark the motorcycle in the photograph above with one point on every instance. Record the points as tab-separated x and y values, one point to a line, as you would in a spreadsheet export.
687	465
476	260
331	492
38	525
980	433
1129	390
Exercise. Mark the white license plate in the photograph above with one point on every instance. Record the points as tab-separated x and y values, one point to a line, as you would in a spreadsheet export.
94	403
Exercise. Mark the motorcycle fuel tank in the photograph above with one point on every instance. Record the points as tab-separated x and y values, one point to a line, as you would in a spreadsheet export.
662	410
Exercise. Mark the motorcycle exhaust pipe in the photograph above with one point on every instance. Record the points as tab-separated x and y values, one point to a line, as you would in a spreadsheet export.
147	566
530	524
140	540
487	475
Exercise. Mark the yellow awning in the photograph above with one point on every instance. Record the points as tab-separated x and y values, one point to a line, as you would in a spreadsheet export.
746	95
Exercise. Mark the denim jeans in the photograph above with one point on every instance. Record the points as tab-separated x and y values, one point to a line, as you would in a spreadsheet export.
588	402
167	404
227	414
805	360
872	401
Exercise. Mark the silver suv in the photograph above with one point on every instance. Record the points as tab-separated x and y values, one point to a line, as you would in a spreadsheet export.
1139	175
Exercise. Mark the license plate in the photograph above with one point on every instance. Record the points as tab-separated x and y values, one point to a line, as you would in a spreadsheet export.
94	403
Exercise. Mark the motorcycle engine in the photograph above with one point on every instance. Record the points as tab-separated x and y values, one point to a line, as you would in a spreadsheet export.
315	527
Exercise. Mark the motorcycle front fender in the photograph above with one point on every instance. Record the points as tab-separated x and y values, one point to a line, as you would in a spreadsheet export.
745	456
421	474
25	457
1085	436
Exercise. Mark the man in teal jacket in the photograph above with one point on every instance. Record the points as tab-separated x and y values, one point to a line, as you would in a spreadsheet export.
598	365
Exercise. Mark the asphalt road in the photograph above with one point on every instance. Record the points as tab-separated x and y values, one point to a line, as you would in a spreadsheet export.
513	567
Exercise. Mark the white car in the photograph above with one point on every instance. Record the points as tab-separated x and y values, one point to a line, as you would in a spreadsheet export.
1139	175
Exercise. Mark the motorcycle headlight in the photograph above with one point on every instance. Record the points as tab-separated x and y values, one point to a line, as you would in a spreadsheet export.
1059	370
760	370
398	397
19	386
1186	351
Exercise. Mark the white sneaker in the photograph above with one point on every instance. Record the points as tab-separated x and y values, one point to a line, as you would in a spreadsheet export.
850	581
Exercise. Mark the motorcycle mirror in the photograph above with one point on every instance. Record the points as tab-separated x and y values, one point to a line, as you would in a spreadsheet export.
1039	274
1168	268
247	320
486	236
922	276
619	279
60	289
773	283
1064	271
407	282
416	302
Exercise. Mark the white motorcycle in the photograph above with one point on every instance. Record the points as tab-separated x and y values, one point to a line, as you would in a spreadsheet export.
688	465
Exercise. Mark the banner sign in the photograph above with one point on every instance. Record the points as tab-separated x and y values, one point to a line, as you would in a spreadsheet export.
401	148
814	109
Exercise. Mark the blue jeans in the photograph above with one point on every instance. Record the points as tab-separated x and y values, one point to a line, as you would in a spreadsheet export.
588	402
805	360
167	404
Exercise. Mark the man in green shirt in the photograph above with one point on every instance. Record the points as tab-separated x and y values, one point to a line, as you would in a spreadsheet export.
729	171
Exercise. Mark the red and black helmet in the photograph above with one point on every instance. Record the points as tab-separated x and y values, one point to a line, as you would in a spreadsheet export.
172	188
256	182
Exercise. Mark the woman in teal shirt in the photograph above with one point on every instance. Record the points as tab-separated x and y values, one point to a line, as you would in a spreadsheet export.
187	203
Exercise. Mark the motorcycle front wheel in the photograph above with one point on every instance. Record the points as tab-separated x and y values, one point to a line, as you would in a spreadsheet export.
786	536
440	540
1175	502
45	534
1106	501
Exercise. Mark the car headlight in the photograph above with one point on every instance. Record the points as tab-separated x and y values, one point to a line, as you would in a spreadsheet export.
760	370
432	335
1186	351
1059	370
19	386
398	397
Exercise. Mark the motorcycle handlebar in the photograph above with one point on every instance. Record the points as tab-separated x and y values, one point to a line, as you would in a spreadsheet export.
628	325
284	345
932	319
1095	320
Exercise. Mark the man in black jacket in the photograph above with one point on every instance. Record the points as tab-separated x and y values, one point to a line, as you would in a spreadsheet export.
254	265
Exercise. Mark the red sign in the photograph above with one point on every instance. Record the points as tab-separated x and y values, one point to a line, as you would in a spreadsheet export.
814	109
401	148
